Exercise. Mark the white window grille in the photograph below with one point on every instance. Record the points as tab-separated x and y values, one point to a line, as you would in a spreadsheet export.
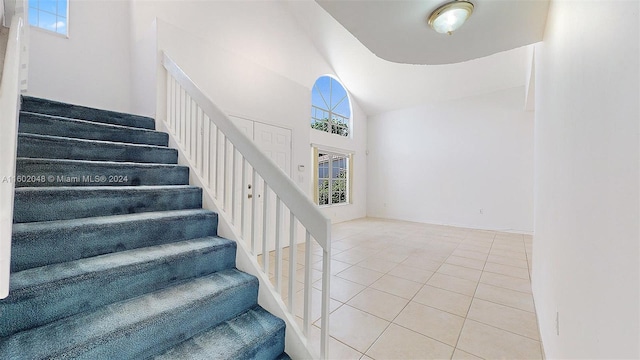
51	15
333	177
330	108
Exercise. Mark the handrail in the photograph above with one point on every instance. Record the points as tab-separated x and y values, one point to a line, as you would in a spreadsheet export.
191	114
298	202
9	109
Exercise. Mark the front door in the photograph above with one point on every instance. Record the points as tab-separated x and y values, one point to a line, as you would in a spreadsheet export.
275	142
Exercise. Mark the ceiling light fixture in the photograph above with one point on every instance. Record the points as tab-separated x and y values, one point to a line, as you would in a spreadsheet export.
450	16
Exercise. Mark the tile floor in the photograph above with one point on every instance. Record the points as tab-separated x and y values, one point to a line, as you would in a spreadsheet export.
402	290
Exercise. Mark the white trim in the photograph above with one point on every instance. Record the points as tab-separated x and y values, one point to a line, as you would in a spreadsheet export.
10	109
333	149
49	32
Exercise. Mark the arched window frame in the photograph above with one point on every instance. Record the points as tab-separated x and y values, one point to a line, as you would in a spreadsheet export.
324	116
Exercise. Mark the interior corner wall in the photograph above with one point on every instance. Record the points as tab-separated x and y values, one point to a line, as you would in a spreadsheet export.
586	259
91	67
466	162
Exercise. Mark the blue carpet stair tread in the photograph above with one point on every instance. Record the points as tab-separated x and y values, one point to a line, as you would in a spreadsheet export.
63	203
74	239
57	147
58	172
82	129
45	294
51	107
142	326
113	256
255	334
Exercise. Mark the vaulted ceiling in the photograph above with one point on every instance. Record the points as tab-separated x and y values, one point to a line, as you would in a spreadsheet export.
379	85
397	31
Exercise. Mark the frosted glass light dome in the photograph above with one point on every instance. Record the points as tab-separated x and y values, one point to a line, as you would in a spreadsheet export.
450	16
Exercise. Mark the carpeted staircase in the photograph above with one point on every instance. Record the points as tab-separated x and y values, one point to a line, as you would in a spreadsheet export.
113	256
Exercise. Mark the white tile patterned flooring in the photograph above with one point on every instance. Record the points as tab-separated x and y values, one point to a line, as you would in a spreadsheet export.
403	290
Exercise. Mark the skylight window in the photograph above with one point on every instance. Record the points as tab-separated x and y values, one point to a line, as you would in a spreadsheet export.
51	15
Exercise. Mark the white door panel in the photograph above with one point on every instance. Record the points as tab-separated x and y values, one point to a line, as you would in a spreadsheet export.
275	142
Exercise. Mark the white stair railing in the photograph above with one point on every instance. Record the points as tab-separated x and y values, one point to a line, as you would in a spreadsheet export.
229	165
10	87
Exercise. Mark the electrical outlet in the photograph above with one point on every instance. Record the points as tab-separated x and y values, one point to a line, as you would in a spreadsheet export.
481	211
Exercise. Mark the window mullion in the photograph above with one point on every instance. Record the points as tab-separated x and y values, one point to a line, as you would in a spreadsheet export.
330	179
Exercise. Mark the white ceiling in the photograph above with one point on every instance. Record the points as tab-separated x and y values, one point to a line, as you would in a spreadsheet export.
397	30
380	86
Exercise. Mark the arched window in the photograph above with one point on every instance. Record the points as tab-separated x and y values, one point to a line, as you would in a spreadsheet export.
330	107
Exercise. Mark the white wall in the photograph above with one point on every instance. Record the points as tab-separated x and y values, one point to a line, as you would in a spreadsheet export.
585	249
441	163
91	67
251	58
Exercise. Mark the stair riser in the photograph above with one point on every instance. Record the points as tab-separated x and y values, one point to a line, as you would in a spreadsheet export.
84	150
33	248
80	112
268	347
63	204
255	334
176	327
45	125
141	340
39	173
27	308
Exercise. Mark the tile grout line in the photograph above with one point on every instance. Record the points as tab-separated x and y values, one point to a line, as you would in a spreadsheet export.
404	307
395	317
453	240
471	303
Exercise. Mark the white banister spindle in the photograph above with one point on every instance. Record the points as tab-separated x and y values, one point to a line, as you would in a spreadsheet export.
265	223
169	84
187	124
183	100
225	174
176	108
194	128
243	196
214	148
293	266
216	162
233	185
308	288
200	145
172	101
324	319
206	158
183	114
278	264
178	113
254	210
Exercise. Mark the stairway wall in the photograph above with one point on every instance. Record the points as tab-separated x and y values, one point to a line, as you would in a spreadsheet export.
91	66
